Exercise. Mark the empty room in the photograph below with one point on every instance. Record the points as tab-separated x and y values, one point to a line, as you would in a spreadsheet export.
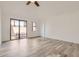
39	28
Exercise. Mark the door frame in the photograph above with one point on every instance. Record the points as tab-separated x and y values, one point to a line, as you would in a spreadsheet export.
19	26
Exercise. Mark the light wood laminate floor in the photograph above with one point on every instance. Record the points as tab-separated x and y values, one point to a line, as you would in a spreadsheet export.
38	47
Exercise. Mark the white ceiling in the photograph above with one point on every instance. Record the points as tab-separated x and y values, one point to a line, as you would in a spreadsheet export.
48	7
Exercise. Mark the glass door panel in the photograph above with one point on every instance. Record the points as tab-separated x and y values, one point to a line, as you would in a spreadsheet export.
22	29
14	29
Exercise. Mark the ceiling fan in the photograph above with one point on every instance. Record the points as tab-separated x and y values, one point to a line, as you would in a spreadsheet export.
35	2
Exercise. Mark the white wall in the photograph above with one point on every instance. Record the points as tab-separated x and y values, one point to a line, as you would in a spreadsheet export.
17	10
0	26
64	27
61	20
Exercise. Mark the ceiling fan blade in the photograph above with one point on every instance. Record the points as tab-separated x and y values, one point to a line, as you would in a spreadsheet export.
36	3
28	2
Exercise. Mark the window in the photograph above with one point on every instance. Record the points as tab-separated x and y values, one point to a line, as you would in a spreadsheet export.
14	23
17	22
23	24
34	26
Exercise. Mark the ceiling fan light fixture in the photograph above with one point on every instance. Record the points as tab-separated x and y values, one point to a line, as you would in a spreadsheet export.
34	2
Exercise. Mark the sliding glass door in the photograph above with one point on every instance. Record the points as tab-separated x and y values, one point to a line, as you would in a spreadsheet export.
22	29
17	29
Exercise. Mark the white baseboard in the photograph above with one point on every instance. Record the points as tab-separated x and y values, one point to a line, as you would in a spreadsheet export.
63	40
